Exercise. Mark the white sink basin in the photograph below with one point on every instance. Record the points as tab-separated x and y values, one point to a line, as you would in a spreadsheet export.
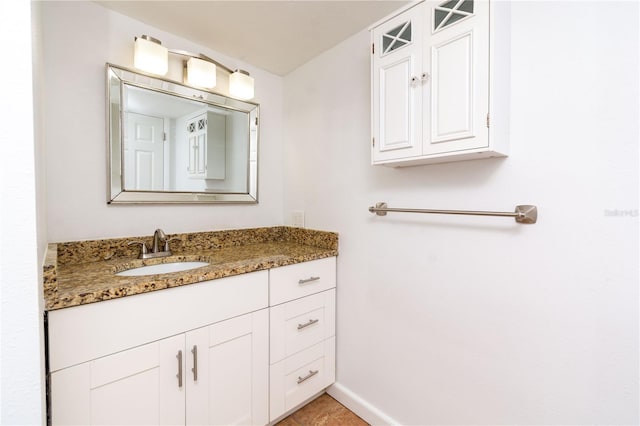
162	268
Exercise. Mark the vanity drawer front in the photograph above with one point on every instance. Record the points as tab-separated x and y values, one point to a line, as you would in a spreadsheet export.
301	323
302	279
94	330
301	376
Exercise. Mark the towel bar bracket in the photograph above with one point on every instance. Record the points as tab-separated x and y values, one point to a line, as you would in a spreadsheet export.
523	213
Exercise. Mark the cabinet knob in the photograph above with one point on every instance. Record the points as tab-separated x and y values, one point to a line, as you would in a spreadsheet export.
424	77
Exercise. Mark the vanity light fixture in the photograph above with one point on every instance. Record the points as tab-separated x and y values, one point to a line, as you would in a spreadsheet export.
241	85
150	55
201	73
199	70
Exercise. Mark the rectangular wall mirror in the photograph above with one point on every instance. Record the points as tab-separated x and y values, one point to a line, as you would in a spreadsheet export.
171	143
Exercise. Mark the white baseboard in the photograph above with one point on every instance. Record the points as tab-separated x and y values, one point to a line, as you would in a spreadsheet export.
362	408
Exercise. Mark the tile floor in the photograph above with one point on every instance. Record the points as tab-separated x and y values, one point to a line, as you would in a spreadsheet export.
323	411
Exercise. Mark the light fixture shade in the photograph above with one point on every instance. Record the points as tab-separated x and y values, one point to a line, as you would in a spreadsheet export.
201	73
241	85
150	56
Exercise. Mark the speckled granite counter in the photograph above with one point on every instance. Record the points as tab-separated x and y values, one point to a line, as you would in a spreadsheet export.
81	272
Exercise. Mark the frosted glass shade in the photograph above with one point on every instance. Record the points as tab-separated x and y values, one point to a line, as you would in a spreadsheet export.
150	56
201	73
241	85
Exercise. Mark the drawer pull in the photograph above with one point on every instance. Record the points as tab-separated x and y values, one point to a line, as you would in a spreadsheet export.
194	351
308	376
307	324
179	375
308	280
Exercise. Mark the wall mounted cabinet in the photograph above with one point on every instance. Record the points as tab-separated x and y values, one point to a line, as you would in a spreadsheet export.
440	83
206	135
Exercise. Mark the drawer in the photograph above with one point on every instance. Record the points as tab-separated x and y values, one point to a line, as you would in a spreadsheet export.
300	280
298	377
301	323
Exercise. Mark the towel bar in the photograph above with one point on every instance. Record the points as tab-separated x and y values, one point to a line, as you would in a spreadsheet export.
522	213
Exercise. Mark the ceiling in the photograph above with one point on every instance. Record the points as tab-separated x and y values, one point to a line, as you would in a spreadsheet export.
277	36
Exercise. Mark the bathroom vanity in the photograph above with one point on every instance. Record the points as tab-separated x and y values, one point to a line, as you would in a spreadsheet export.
243	340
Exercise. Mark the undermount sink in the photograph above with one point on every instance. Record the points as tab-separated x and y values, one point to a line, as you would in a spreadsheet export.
162	268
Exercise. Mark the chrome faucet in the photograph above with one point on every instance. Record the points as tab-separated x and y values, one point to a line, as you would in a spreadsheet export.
158	237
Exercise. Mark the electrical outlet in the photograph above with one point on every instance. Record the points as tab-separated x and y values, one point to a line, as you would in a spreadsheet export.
297	218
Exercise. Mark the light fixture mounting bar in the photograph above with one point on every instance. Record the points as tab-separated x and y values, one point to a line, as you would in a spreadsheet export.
200	56
148	38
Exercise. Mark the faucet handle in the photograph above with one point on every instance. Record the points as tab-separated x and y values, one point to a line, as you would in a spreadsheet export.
166	242
143	249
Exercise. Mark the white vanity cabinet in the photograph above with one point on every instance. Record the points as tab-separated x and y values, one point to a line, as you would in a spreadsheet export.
302	333
206	136
197	354
439	80
244	350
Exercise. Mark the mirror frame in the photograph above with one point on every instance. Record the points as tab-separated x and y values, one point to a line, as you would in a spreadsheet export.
116	192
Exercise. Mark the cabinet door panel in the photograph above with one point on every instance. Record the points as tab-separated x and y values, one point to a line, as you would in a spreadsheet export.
197	370
230	388
171	392
201	144
394	108
124	364
134	387
133	400
452	83
397	99
193	148
459	56
232	384
71	396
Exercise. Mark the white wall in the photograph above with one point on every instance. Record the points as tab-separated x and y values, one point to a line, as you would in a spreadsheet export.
21	334
472	320
78	38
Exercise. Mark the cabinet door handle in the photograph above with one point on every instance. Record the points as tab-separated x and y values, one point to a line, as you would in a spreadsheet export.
179	375
307	324
194	351
424	77
308	376
308	280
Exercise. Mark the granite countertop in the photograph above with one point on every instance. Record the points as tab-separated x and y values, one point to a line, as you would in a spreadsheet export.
77	273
